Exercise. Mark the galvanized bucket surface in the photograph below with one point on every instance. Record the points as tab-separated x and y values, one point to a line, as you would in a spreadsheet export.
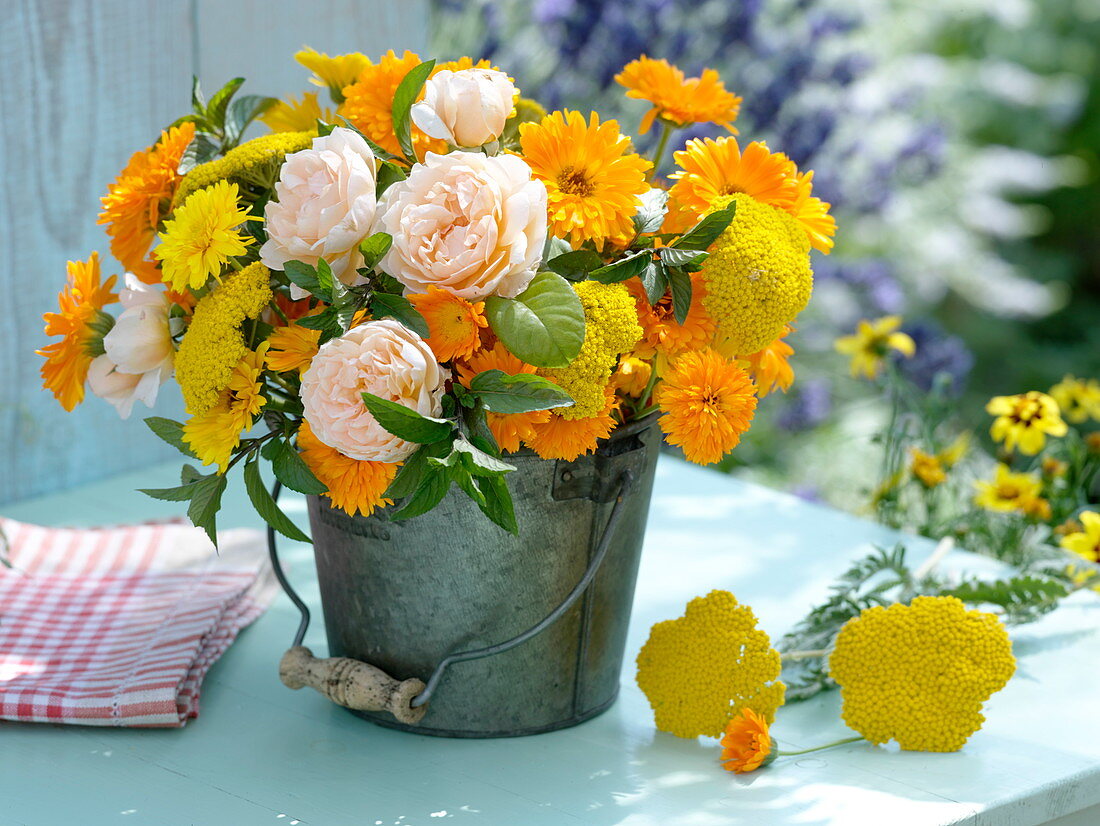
404	595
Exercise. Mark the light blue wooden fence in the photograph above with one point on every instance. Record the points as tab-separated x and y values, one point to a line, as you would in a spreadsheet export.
85	84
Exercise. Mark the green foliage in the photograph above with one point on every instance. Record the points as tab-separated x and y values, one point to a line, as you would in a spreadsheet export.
266	506
221	123
706	232
520	393
401	309
406	423
291	469
171	432
403	98
1022	598
543	325
628	266
651	212
575	264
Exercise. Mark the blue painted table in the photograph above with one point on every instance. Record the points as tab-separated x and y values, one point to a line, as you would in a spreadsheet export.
262	754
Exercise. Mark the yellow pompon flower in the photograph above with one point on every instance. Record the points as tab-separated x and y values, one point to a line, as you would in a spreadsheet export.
215	433
1025	420
810	212
757	276
332	73
1086	542
747	744
137	200
711	169
454	323
213	343
1008	492
202	236
919	673
708	402
611	329
82	323
253	166
632	376
676	99
702	669
293	115
292	348
1078	399
354	486
770	368
509	429
661	332
594	181
562	438
872	343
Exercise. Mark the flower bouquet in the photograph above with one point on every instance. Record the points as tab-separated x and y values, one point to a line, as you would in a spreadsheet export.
403	297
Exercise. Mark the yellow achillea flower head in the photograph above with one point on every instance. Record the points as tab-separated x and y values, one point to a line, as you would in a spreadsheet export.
1085	542
333	73
454	324
611	329
757	276
253	165
202	236
1025	420
354	485
700	670
293	115
509	429
919	673
677	99
1079	399
214	434
213	343
872	343
594	182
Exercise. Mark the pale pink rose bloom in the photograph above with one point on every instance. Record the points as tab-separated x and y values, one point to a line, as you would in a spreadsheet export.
466	108
466	223
326	205
121	389
380	357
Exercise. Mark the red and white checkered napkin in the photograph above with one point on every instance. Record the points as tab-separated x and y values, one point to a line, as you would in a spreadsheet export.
118	626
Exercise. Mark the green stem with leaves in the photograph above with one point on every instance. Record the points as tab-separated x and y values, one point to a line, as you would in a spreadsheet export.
662	144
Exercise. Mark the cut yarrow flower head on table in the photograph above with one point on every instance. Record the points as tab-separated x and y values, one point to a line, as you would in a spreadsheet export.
396	289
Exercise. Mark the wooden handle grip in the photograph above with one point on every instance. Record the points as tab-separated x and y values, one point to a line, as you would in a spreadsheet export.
352	684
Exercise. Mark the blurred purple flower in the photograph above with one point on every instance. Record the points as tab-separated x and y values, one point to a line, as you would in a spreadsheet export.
807	406
870	280
940	358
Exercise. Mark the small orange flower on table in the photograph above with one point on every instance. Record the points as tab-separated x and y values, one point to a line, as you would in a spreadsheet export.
746	744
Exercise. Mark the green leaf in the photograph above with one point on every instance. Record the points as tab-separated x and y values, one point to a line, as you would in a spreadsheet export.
1023	598
171	432
388	175
305	276
626	267
189	474
478	431
206	499
478	462
327	321
654	279
406	423
680	282
521	393
409	475
706	232
400	308
178	494
202	148
325	280
575	265
498	502
673	257
378	151
324	129
374	248
241	113
651	212
554	247
429	493
267	507
543	325
403	98
198	102
215	110
291	469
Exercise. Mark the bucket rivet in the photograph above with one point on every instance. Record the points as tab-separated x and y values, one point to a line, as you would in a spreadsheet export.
567	476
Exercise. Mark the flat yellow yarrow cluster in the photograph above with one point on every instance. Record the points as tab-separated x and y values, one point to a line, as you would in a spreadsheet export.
758	275
700	670
611	329
919	673
213	344
254	163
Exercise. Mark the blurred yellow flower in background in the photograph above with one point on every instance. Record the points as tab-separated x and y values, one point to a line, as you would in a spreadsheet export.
1025	420
931	468
1086	542
333	73
293	115
1078	399
872	343
1009	492
677	99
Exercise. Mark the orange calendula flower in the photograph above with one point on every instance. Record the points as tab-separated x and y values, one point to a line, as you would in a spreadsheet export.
661	333
292	348
137	200
593	181
812	213
710	169
561	438
509	429
454	323
746	743
354	486
708	402
632	376
1025	420
82	323
770	368
677	99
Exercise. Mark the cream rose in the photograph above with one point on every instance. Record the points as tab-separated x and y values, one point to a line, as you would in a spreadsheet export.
466	223
380	357
466	108
326	205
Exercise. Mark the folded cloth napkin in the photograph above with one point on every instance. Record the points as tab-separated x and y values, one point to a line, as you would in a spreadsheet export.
118	626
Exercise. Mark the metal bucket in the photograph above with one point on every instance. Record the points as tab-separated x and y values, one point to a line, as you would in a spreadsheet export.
403	596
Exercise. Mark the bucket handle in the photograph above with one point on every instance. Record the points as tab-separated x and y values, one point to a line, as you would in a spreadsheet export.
361	686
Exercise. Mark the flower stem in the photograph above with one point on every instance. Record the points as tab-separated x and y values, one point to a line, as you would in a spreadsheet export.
662	144
811	654
855	739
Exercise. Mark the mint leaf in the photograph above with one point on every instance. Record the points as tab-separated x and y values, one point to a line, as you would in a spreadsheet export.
406	423
520	393
171	432
403	98
543	325
266	506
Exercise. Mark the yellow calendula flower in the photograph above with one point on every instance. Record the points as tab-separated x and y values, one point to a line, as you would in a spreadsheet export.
202	236
332	73
770	368
253	166
632	376
873	342
213	343
354	485
292	348
757	276
1086	542
919	673
1008	492
293	115
611	329
677	99
594	181
1078	399
214	434
1025	420
702	669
